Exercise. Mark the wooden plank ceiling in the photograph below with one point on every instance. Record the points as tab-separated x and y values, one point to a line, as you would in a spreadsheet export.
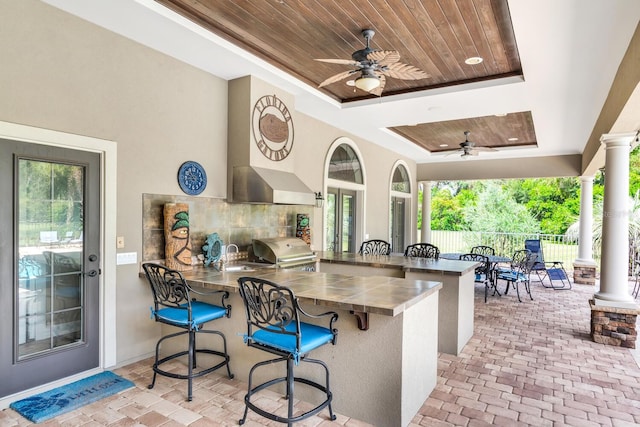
436	36
510	130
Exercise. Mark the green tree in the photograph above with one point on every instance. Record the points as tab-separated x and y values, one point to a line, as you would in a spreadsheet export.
496	209
554	202
447	210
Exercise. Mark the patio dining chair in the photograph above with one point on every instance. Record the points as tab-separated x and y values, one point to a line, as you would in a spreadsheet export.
483	272
483	250
521	267
636	274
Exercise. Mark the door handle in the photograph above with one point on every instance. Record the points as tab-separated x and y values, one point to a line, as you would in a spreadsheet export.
91	273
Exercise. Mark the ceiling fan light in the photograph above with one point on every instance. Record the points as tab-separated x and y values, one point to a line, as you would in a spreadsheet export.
367	83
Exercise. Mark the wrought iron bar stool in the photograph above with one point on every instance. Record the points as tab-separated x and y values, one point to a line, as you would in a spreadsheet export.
273	325
375	247
173	305
422	250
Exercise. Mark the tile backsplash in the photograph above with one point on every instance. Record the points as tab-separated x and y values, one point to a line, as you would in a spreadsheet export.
234	222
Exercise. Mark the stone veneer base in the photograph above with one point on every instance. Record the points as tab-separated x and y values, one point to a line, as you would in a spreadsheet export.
584	274
613	325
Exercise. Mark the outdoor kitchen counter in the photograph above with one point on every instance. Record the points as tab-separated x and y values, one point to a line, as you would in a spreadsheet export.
456	298
399	263
388	296
381	375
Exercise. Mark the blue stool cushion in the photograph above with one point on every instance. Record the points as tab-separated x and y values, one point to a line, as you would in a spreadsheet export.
311	337
201	312
512	276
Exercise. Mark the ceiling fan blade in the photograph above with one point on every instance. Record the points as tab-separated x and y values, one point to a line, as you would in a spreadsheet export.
337	77
384	57
452	152
402	71
484	149
378	91
340	61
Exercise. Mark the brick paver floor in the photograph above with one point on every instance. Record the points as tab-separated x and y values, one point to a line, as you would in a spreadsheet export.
529	363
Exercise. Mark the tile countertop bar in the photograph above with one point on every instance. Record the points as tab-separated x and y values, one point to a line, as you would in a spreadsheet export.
381	375
456	300
400	262
388	296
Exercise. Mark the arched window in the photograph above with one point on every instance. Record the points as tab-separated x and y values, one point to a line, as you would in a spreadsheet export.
344	197
345	165
400	181
400	224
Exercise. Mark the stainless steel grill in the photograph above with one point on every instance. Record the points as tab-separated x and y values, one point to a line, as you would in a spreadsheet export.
284	252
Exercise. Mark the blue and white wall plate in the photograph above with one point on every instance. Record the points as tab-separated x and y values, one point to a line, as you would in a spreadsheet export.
192	178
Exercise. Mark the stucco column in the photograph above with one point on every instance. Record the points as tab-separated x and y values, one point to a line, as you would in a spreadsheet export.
425	232
585	241
614	285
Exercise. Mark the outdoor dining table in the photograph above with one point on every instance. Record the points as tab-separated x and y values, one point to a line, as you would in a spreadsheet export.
494	260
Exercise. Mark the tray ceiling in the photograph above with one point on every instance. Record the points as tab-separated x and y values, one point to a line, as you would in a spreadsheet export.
434	36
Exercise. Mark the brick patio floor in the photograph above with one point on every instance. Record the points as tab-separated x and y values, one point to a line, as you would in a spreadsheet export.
529	363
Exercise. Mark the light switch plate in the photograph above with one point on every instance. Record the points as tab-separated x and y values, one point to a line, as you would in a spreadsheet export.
127	258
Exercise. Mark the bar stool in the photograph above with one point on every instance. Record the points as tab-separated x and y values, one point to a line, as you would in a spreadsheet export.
173	305
375	247
273	325
422	250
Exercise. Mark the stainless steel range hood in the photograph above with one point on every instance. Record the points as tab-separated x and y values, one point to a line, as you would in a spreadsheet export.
252	177
259	185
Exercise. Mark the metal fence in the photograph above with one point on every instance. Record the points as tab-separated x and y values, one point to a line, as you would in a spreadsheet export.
556	247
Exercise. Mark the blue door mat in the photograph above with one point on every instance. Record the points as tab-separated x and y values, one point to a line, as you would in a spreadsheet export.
61	400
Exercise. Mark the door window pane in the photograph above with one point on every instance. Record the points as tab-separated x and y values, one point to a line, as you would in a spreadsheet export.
331	222
50	246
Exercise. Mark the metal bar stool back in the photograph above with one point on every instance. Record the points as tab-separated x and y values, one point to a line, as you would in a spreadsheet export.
375	247
422	250
174	305
274	325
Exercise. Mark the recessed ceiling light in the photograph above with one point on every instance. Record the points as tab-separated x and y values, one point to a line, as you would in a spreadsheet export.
444	145
512	139
474	60
351	82
501	115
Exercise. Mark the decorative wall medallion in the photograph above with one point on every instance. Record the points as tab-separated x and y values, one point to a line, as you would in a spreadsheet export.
192	178
272	127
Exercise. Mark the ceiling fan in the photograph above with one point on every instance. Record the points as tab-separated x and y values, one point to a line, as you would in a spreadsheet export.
374	67
469	149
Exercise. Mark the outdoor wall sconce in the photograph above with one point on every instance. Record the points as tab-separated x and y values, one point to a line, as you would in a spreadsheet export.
319	199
